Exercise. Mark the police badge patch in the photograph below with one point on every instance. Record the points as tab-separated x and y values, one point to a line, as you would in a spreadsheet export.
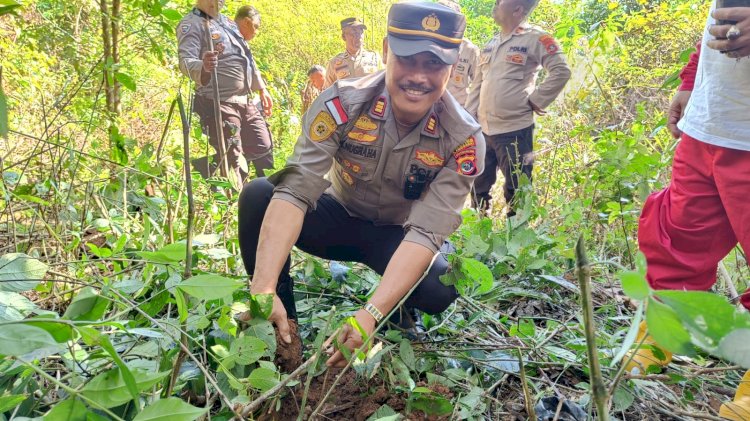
322	127
185	28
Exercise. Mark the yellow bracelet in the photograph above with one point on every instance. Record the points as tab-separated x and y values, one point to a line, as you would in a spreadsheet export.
374	312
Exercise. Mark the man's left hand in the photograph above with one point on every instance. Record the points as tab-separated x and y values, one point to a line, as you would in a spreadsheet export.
536	109
266	102
350	337
739	46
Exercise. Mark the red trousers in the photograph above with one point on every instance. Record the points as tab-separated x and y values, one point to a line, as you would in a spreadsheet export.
687	228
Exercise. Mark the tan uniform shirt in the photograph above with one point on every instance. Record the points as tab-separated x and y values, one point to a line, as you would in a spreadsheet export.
344	65
506	80
350	135
463	73
236	70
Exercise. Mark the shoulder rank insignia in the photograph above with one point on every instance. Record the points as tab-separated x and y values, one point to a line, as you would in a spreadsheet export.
364	123
429	158
322	127
378	109
337	111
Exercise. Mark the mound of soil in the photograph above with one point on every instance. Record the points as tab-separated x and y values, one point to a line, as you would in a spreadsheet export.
289	356
352	399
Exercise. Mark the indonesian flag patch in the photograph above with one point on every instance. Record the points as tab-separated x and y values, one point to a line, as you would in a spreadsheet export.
337	111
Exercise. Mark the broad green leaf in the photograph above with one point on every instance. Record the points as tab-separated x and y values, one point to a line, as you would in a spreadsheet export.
170	409
210	287
634	285
623	398
261	305
5	7
431	404
62	332
263	379
10	402
182	308
479	273
263	330
406	352
19	272
247	350
666	328
68	410
171	253
109	389
87	305
92	336
20	339
709	317
14	306
126	80
384	413
735	347
171	14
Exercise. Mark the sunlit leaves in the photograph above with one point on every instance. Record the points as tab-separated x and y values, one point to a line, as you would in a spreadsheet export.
209	286
109	389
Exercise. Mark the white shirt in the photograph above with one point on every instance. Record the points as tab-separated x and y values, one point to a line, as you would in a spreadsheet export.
718	112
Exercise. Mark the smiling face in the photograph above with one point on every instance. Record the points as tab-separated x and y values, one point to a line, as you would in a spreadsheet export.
353	36
414	83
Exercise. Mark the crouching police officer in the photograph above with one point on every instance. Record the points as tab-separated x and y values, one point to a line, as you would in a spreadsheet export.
401	155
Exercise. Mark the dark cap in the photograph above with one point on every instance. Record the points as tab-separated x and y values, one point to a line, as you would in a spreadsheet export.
415	27
352	22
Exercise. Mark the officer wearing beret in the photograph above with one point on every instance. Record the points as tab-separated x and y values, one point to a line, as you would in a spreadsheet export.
379	176
355	61
245	131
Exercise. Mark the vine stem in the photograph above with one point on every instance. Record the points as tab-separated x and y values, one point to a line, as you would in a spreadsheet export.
598	388
70	390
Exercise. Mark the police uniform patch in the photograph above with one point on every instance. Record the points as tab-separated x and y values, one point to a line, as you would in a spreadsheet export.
322	127
378	109
362	136
458	78
364	123
185	27
468	145
215	36
356	168
467	164
339	62
517	58
342	74
549	44
337	111
347	178
429	158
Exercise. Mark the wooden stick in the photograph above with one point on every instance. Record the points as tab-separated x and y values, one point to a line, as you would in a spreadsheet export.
598	389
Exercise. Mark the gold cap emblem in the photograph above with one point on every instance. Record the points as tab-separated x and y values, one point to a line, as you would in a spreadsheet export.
431	23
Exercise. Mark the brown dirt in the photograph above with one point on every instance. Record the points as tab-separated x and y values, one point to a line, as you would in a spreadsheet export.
289	356
352	399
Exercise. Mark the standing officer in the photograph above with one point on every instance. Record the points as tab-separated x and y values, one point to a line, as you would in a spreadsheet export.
466	67
379	176
504	96
245	131
355	61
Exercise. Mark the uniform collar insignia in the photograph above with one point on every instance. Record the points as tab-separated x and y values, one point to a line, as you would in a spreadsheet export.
379	108
430	127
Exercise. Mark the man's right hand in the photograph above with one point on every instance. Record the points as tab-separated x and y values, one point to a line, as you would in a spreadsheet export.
278	315
676	110
210	60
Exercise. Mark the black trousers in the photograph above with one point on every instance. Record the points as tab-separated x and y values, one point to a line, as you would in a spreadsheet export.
513	154
330	232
